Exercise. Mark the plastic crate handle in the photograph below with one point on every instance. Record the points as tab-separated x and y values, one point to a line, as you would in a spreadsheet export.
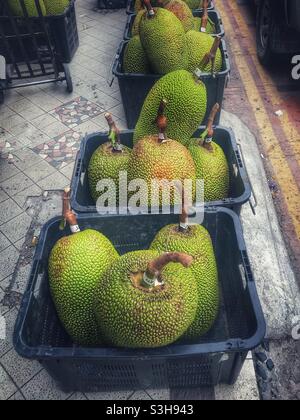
253	202
113	67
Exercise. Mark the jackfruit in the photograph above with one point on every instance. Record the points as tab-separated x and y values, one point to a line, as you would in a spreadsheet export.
182	12
136	23
76	264
211	165
108	161
185	110
56	7
195	240
16	8
210	27
145	300
135	59
159	159
163	38
194	4
204	52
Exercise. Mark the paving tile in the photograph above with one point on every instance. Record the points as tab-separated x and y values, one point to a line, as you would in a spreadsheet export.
43	387
20	282
19	244
78	397
118	111
39	171
11	122
26	158
16	184
56	181
8	260
44	101
4	242
6	344
9	210
159	394
17	397
54	130
140	395
3	195
22	370
44	120
12	96
113	396
16	228
68	170
23	131
7	387
5	111
27	109
88	127
8	170
32	191
107	102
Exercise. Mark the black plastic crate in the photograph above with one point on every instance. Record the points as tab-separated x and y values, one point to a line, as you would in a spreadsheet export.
213	15
134	88
62	31
216	358
130	7
111	4
240	188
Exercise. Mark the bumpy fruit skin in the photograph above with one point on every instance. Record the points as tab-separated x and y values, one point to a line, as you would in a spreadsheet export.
163	161
212	167
185	110
163	39
130	316
199	44
197	243
182	12
135	58
16	8
76	265
194	4
210	27
56	7
136	23
106	164
139	5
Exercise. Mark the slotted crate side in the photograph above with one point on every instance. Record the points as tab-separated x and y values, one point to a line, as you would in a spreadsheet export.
134	88
213	15
39	335
240	189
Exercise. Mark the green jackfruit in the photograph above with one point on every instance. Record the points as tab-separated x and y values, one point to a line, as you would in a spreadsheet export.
163	38
194	4
108	161
136	307
212	167
210	28
135	59
182	12
136	23
185	110
56	7
16	8
199	45
76	265
195	241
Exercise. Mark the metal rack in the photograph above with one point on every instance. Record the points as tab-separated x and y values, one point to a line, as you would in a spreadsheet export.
29	55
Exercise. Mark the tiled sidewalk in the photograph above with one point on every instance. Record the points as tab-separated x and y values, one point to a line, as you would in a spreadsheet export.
40	129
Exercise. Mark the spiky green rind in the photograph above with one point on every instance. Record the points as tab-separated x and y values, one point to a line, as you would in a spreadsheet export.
210	28
197	243
16	8
76	265
129	316
136	23
56	7
185	110
181	10
135	58
212	167
199	44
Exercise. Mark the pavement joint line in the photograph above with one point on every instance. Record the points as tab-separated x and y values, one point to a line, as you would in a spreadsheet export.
12	380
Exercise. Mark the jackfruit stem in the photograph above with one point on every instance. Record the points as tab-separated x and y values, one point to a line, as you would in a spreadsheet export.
161	121
211	56
204	19
155	267
150	10
210	123
68	215
114	133
184	217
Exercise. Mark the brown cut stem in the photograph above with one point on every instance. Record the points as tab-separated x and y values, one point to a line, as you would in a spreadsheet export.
113	128
68	215
204	19
211	56
211	119
156	266
150	10
161	120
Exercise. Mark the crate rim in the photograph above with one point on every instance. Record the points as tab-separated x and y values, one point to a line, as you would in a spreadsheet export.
121	74
129	3
212	11
239	201
114	353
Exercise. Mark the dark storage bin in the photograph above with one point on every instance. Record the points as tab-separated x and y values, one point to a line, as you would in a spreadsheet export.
213	15
130	7
111	4
62	30
216	358
240	189
135	87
